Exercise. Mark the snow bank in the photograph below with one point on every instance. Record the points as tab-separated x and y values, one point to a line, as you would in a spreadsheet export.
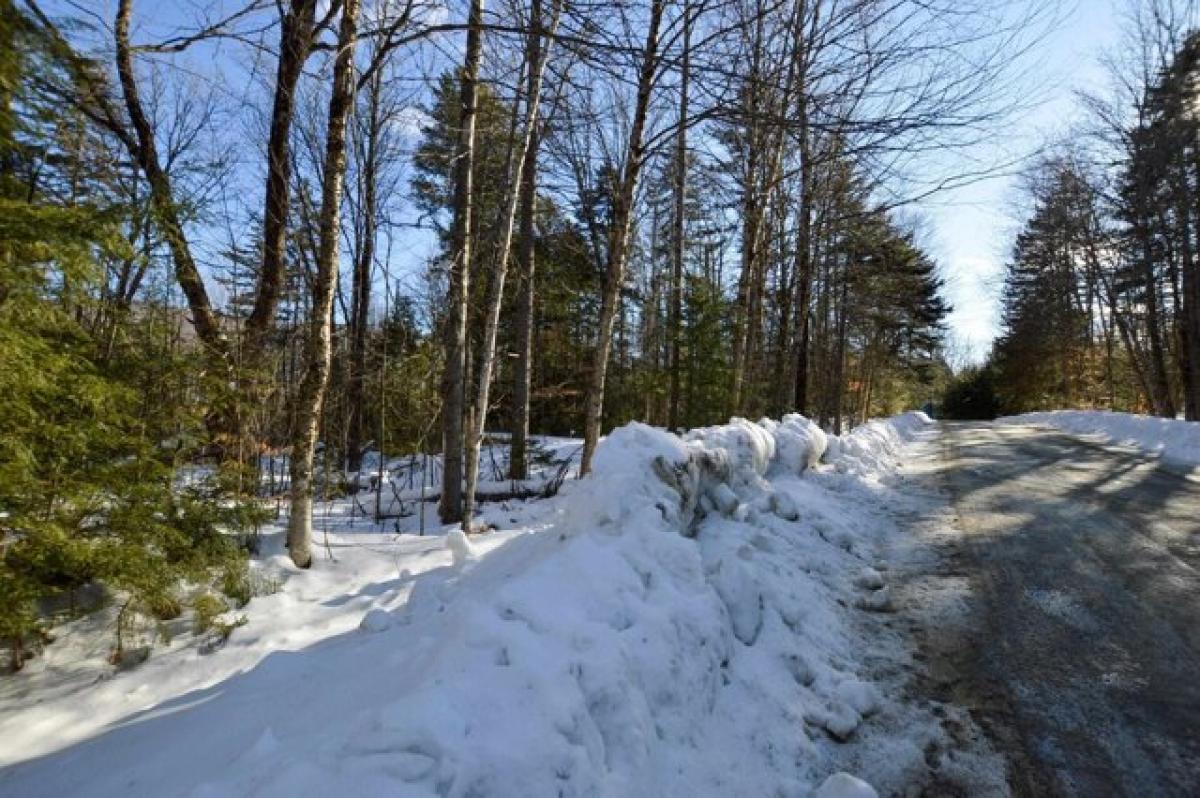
799	443
679	623
1171	439
872	448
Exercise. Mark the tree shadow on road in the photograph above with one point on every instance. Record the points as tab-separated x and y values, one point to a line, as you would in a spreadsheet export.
1083	651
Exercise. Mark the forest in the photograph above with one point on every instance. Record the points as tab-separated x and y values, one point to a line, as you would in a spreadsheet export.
248	248
1101	293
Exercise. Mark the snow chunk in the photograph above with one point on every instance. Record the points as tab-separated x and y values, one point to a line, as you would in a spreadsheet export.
843	785
748	446
877	601
799	443
376	620
638	472
736	585
725	499
869	578
840	722
459	546
862	696
737	453
784	506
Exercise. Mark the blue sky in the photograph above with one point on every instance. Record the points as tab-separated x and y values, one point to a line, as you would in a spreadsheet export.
973	227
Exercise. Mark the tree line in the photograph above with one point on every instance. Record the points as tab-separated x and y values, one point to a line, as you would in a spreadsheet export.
666	211
1101	297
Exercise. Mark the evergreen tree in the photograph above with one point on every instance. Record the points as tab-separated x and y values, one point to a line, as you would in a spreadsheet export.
87	451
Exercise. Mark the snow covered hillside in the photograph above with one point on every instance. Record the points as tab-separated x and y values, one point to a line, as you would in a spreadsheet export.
1173	440
703	615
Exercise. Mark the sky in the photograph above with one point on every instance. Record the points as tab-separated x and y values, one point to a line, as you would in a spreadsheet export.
973	227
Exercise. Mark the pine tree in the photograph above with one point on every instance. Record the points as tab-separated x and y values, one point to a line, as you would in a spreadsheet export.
87	488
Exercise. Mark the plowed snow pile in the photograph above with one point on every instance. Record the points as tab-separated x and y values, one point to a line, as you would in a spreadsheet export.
693	619
1171	439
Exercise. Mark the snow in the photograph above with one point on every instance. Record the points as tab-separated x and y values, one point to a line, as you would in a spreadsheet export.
799	443
874	448
843	785
1173	440
376	620
685	621
460	548
869	578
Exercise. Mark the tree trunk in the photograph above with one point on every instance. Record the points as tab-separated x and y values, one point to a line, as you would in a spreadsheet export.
518	456
1191	311
803	267
618	240
450	507
361	284
751	203
1160	385
536	59
839	362
143	148
1128	338
318	350
821	342
678	226
297	29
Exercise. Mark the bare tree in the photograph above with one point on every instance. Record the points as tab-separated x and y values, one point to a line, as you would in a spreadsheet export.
318	345
369	167
454	377
536	56
297	30
143	147
679	225
617	250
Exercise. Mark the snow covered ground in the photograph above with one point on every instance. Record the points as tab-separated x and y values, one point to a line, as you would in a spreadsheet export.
705	615
1173	440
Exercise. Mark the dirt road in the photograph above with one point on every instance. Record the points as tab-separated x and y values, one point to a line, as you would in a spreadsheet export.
1082	659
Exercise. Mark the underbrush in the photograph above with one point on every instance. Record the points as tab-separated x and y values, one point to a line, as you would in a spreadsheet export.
143	546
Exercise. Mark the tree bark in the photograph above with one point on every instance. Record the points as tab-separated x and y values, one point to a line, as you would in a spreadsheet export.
296	36
450	508
318	345
518	464
839	361
144	150
1191	308
678	226
803	266
618	240
1160	385
297	29
536	59
1122	323
752	201
519	456
361	284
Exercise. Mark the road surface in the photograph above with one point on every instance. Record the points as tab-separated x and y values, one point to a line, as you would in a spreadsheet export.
1083	657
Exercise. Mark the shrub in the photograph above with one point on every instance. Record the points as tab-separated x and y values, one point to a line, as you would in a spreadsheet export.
207	608
972	395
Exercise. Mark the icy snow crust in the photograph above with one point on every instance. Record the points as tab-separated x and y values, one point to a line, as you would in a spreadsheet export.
1171	439
678	623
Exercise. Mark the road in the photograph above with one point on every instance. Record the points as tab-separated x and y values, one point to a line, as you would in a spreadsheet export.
1083	657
